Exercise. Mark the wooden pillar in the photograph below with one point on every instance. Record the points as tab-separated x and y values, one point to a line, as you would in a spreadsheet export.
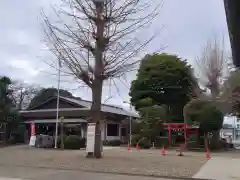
105	130
169	135
120	131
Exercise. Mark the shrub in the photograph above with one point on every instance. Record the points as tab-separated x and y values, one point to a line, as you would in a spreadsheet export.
74	142
193	145
114	143
17	136
144	143
217	145
105	143
160	141
135	139
193	138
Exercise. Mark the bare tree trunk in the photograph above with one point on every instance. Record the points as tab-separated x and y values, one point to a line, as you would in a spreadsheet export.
96	115
96	44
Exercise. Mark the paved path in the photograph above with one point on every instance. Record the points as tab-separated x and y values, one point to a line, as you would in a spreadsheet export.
220	168
23	173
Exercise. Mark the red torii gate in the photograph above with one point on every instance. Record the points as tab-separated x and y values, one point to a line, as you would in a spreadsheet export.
180	127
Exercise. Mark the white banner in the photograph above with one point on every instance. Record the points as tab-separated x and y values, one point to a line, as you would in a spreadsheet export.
90	138
32	141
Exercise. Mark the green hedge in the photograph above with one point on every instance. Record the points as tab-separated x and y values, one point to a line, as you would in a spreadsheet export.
17	136
217	145
135	139
112	143
193	138
192	145
160	141
74	142
144	143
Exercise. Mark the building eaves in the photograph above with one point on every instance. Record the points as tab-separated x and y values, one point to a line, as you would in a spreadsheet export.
104	108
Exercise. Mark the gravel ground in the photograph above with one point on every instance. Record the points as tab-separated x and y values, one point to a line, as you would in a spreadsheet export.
143	162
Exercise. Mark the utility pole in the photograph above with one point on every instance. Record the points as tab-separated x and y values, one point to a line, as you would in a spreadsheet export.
130	123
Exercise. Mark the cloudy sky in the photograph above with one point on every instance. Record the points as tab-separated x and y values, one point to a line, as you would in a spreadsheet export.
188	24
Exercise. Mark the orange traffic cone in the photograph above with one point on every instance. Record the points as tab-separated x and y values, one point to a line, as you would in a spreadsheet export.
207	154
180	150
129	147
163	151
137	147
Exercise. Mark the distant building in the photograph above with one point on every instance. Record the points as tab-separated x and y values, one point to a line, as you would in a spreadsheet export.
231	127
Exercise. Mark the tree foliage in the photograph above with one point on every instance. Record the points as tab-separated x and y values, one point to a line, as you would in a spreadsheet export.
205	113
165	79
152	118
8	114
6	103
47	93
230	97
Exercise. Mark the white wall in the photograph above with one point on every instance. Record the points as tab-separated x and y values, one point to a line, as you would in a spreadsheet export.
102	131
226	132
231	120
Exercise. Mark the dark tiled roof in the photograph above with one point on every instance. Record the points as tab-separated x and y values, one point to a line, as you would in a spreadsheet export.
105	107
87	105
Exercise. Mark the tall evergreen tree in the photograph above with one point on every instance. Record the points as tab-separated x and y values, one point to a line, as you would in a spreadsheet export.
167	80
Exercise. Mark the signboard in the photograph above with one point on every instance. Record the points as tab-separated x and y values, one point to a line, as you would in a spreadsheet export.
32	141
90	138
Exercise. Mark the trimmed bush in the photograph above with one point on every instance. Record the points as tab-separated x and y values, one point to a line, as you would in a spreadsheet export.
193	138
135	139
144	143
193	145
217	145
74	142
114	143
17	136
160	141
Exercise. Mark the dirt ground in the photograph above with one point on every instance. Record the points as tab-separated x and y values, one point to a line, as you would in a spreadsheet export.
115	160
